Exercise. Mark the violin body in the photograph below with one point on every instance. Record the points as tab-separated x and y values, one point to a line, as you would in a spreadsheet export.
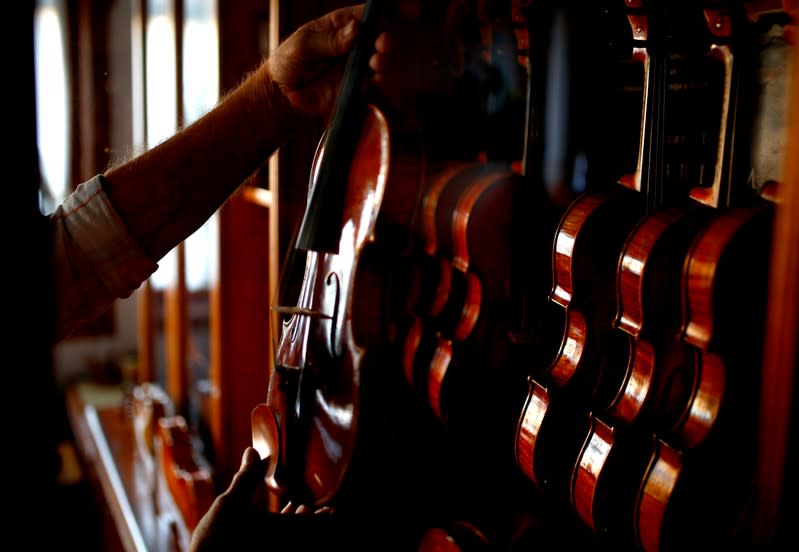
315	389
461	284
586	246
554	418
700	473
702	497
646	380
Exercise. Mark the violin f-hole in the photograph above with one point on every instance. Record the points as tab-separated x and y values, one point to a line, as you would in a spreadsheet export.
335	351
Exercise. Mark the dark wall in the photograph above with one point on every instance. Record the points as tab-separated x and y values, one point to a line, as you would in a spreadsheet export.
30	409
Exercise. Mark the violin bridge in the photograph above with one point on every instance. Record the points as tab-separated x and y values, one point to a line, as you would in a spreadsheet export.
301	311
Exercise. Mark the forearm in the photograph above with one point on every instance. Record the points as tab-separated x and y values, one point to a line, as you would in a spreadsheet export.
168	192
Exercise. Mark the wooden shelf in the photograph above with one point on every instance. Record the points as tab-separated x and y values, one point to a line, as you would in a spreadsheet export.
104	436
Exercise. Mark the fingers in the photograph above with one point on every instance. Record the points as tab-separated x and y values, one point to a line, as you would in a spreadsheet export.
232	511
333	43
307	65
387	47
332	35
411	56
339	18
290	508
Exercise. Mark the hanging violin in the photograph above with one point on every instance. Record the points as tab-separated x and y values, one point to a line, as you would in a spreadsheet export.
459	302
362	193
585	250
646	378
699	479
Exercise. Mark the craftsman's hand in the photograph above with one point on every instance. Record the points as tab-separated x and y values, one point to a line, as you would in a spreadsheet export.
308	65
239	514
408	58
414	55
239	518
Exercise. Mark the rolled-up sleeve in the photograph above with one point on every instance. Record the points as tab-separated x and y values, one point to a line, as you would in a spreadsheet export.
96	259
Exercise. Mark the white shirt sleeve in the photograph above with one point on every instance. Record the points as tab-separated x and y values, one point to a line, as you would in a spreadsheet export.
95	258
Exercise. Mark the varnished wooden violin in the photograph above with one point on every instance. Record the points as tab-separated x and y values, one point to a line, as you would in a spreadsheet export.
459	300
646	381
465	231
723	286
585	249
362	194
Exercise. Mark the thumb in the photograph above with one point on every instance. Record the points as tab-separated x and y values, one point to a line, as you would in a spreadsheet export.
249	457
251	473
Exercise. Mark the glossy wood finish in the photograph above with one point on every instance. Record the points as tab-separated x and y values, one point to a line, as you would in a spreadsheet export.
595	452
463	226
570	358
149	496
104	436
586	248
722	260
183	477
440	277
529	429
647	381
437	374
472	215
666	482
637	265
660	480
317	341
428	227
665	391
721	421
702	268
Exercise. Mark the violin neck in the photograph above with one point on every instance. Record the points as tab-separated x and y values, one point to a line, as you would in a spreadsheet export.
321	224
650	51
730	31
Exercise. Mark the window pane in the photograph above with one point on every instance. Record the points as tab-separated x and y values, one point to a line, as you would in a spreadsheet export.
200	93
200	58
161	67
52	102
160	97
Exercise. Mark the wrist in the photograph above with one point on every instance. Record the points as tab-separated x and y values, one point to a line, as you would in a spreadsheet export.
275	104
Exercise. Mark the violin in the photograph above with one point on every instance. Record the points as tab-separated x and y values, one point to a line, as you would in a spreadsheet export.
457	346
459	298
364	186
645	378
183	481
721	325
468	249
586	246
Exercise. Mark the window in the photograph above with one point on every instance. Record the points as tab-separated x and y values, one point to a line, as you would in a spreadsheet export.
52	101
204	315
